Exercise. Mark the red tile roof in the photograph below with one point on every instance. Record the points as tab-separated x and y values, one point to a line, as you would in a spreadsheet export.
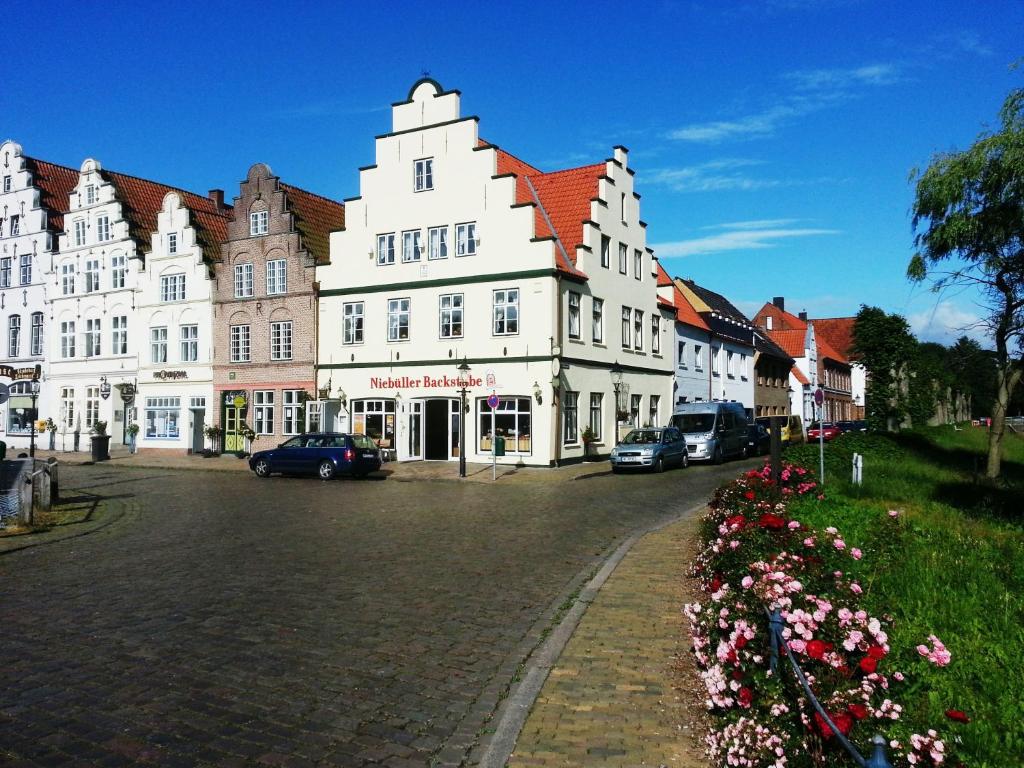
55	184
791	341
825	349
781	320
838	331
315	218
141	200
800	376
566	197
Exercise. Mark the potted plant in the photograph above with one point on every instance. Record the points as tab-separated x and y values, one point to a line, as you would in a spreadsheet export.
248	434
51	429
589	438
621	416
132	430
100	441
213	434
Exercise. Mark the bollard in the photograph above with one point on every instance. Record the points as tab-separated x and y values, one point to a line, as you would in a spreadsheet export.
858	469
878	757
776	447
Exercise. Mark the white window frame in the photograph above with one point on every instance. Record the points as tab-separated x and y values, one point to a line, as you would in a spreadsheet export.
263	411
103	230
259	223
465	239
240	343
400	310
188	336
654	410
14	335
570	417
597	321
281	340
291	412
638	262
172	287
638	330
90	194
158	344
623	258
15	225
681	346
67	407
411	244
385	249
243	280
730	363
118	267
743	366
504	305
627	327
172	242
5	272
716	364
277	277
79	229
352	322
698	357
67	339
37	334
7	183
92	275
423	174
606	251
161	409
655	333
437	243
92	406
575	299
93	337
450	315
596	415
119	333
25	271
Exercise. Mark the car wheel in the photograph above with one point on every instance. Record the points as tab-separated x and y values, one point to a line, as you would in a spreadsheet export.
744	452
262	468
326	470
686	460
659	465
716	457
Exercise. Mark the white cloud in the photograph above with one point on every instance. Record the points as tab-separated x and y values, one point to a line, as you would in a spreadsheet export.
832	79
945	322
754	224
719	175
739	236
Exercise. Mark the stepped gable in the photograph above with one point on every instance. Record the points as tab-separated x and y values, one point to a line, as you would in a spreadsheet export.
315	218
55	184
142	200
211	230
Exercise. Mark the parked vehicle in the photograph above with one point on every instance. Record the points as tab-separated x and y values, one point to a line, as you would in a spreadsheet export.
792	428
651	448
831	431
714	431
852	426
324	454
759	442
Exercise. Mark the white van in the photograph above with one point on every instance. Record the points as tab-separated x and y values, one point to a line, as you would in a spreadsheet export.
714	430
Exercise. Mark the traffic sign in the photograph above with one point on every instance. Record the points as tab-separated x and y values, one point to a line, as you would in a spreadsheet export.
239	401
5	393
819	396
492	401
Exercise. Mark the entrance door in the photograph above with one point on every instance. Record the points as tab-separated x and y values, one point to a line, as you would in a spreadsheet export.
415	447
233	441
198	421
436	431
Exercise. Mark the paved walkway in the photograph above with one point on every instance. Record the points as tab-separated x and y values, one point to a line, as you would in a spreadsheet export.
617	696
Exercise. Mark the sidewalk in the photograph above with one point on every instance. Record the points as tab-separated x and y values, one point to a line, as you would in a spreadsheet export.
155	458
621	693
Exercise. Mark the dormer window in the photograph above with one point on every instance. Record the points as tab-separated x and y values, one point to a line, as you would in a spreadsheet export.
259	222
172	242
90	194
423	174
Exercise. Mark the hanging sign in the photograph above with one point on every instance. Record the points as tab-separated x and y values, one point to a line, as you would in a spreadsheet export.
127	393
105	389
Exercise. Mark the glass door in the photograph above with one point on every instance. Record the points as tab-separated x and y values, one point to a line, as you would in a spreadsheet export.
233	441
415	415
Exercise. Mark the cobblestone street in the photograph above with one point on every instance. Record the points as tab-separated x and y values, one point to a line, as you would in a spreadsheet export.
226	621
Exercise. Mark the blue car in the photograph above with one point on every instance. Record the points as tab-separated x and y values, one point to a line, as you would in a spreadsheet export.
324	454
651	448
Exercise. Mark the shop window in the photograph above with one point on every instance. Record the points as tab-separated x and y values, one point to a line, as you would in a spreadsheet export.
376	420
570	417
20	413
511	420
263	412
451	316
162	416
574	315
291	423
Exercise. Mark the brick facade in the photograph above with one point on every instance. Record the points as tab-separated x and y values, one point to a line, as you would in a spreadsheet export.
287	237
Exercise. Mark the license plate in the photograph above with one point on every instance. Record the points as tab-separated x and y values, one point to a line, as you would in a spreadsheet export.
629	458
369	455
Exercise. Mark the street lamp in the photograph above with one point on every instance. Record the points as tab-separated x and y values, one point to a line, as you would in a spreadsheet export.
34	389
463	370
617	386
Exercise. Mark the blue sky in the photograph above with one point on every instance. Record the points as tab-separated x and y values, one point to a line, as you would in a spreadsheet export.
772	140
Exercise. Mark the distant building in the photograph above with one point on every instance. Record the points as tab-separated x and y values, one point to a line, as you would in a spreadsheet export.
839	333
772	366
692	381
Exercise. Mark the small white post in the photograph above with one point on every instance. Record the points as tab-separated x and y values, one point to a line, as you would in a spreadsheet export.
858	468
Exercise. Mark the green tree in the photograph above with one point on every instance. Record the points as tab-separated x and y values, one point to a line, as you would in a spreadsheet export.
884	344
974	370
968	218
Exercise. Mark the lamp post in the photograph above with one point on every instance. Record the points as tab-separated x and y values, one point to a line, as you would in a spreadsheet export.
34	389
463	370
617	387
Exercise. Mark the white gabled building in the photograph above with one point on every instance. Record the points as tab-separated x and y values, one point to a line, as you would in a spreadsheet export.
33	196
97	342
174	309
542	282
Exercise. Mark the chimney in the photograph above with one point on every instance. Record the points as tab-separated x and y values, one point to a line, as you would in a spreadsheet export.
803	316
217	195
780	302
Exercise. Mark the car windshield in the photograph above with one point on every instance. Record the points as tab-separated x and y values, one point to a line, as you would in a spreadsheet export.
643	436
694	422
362	441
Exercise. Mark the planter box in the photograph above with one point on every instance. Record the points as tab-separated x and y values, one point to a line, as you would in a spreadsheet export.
100	447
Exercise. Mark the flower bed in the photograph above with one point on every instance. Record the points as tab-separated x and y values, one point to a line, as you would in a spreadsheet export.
756	559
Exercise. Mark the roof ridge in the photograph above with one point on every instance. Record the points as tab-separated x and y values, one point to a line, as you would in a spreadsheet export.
52	164
168	187
569	170
288	186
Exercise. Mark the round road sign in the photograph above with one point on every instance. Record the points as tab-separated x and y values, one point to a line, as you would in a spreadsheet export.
492	401
819	396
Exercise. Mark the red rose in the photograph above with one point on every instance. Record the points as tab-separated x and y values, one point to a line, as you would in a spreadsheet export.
735	520
772	522
746	696
815	649
749	495
859	711
956	714
876	652
844	724
737	674
868	665
741	641
716	582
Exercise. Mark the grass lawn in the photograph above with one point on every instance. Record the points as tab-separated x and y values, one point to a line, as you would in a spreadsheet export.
953	568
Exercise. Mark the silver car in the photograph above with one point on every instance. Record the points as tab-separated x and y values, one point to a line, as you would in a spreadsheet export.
653	448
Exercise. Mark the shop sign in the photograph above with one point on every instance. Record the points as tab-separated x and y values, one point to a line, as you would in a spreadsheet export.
127	393
170	375
423	382
19	374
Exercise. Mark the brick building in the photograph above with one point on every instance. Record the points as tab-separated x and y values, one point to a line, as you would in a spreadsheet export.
265	309
772	366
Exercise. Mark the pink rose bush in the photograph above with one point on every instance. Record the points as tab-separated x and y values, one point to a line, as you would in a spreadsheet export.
756	559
